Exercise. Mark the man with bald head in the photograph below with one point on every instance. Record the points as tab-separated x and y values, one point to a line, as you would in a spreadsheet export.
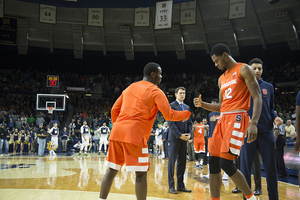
133	115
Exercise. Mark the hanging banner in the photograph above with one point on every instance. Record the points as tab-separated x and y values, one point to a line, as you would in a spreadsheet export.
47	14
188	13
95	16
8	31
237	9
1	8
163	15
141	16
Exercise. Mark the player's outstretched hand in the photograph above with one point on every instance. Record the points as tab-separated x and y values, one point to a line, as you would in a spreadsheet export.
251	133
198	101
278	121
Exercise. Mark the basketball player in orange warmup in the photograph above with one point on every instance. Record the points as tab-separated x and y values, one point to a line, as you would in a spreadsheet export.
199	142
133	115
236	85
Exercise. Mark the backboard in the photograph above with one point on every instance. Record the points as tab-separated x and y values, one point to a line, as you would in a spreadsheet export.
55	101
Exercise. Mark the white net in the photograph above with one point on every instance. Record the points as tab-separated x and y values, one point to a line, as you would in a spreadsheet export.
50	109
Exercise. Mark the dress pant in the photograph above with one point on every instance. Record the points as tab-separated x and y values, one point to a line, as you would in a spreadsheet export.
166	148
265	143
256	171
191	150
177	150
280	142
205	161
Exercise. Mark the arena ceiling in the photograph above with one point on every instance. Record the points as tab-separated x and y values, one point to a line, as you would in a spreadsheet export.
264	24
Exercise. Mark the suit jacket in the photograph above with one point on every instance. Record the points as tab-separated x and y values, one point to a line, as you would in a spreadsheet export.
165	134
176	129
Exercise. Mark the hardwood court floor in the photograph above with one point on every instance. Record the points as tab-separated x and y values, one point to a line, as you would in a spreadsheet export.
69	177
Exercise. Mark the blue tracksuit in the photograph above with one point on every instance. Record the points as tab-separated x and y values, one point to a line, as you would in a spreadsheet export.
265	141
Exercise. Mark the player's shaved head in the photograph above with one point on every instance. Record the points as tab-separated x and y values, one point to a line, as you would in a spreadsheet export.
219	49
150	67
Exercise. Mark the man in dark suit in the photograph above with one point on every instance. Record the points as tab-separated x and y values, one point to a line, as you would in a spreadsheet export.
179	133
165	140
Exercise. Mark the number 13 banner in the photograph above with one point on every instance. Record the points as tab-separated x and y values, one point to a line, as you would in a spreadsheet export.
237	9
47	14
163	15
188	13
95	17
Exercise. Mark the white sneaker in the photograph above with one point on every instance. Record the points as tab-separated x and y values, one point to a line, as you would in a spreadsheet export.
206	176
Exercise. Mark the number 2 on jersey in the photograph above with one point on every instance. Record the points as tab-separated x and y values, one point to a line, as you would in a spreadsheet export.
227	94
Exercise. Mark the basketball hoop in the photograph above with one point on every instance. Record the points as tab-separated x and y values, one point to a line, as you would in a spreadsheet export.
50	109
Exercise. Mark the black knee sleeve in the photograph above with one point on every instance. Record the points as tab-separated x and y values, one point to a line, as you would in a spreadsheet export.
214	165
201	155
196	156
228	166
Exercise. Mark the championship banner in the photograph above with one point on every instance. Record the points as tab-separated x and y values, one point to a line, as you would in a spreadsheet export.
163	15
47	14
95	17
1	8
188	13
141	16
8	31
237	9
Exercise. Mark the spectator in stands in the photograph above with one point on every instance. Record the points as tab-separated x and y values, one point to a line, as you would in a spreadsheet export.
73	135
24	120
78	126
18	124
100	122
290	131
72	126
31	120
39	120
90	121
11	124
95	121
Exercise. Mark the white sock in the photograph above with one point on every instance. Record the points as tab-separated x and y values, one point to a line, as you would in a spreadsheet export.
201	162
101	199
197	163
